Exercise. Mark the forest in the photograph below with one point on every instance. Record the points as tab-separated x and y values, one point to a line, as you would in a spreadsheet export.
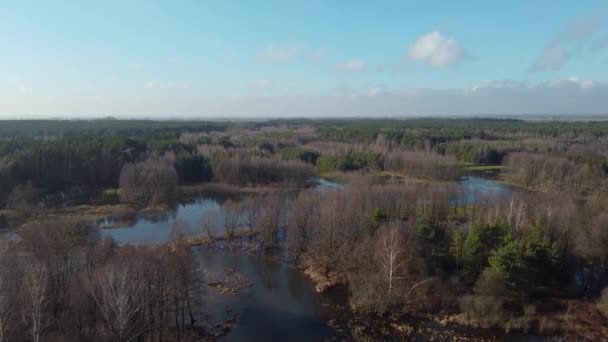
412	247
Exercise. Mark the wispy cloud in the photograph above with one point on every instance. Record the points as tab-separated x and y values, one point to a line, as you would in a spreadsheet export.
601	43
436	50
166	85
354	65
262	84
280	53
376	91
570	95
567	44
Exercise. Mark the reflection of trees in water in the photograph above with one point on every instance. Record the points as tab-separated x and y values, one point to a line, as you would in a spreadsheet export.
295	284
267	271
162	217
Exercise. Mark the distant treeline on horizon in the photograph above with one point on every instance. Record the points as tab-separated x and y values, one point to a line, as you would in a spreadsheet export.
550	125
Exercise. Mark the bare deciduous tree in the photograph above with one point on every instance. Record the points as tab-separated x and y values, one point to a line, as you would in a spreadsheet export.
209	222
119	296
6	309
148	182
251	209
393	255
232	213
36	299
269	222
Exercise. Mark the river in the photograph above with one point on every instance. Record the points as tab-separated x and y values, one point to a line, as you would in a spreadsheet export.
281	303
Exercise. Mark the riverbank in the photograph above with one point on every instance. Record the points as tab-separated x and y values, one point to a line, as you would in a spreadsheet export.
430	318
152	226
110	215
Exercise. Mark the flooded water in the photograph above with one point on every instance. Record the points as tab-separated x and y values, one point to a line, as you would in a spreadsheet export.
280	305
476	188
156	229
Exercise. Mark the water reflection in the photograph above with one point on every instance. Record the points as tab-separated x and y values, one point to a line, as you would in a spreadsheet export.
155	229
281	301
477	189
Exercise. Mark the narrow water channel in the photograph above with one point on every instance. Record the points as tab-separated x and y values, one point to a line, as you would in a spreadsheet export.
279	305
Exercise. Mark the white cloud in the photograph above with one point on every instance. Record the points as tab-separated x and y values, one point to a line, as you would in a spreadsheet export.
502	87
166	85
500	84
376	91
354	65
262	84
572	95
574	81
283	53
436	50
496	98
569	43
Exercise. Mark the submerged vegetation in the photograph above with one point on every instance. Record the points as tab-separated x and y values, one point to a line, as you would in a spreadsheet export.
401	236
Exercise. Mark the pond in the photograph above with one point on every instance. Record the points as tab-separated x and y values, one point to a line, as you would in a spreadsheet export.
156	228
477	188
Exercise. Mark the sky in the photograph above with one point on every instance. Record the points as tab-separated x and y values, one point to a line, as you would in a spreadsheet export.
301	58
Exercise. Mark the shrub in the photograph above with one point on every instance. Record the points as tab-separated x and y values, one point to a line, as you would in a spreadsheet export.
485	311
293	153
351	160
491	283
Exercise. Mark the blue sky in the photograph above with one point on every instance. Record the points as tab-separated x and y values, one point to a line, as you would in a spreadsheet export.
167	59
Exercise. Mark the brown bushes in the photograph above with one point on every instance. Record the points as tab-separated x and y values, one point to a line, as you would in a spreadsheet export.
485	311
423	165
544	172
255	170
149	182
